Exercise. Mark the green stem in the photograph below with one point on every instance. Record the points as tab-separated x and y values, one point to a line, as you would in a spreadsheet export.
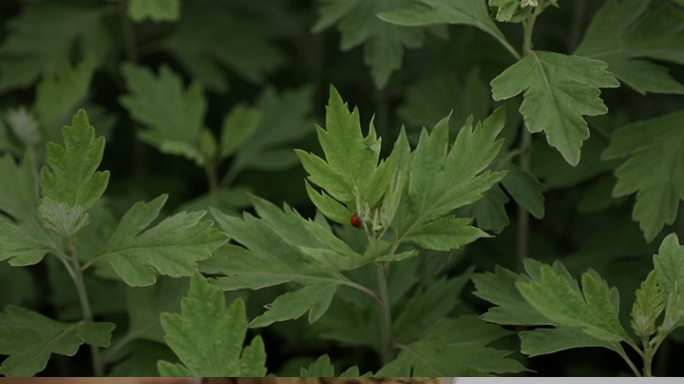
523	215
386	315
77	275
624	356
210	170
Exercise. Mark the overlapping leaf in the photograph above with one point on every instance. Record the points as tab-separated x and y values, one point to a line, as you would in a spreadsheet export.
206	43
559	89
623	32
441	180
279	248
552	297
435	12
42	38
72	177
654	169
358	24
172	247
208	337
29	339
350	173
454	348
174	117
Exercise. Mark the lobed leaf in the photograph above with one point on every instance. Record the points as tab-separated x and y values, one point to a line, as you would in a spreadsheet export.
72	177
654	169
172	247
649	303
623	32
208	337
173	116
559	89
30	338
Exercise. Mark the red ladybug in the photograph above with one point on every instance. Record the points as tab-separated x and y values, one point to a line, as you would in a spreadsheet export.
355	221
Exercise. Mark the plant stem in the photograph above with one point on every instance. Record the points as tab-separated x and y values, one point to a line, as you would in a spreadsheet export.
523	215
624	356
210	170
77	275
386	315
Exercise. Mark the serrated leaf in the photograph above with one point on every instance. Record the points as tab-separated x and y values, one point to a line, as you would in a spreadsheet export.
174	116
622	32
649	303
19	193
238	125
500	288
208	337
669	264
18	247
490	211
208	42
155	10
62	219
320	368
552	295
654	169
455	348
525	189
435	12
559	89
445	234
313	298
29	339
358	24
172	247
543	341
285	118
41	41
58	93
441	180
427	306
72	177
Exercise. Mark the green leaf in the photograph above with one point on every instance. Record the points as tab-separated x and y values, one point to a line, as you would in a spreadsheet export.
142	360
435	12
552	295
490	210
42	38
445	234
207	42
500	288
313	298
239	125
427	306
649	303
350	172
320	368
208	337
174	117
543	341
19	193
669	264
441	180
622	32
18	247
358	24
58	94
455	348
525	189
674	313
508	10
285	119
559	89
29	339
60	218
73	179
172	247
654	169
146	304
155	10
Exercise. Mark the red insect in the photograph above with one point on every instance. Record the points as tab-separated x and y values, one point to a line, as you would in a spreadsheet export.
355	221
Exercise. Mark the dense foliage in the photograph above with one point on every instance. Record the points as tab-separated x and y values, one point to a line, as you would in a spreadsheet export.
341	187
